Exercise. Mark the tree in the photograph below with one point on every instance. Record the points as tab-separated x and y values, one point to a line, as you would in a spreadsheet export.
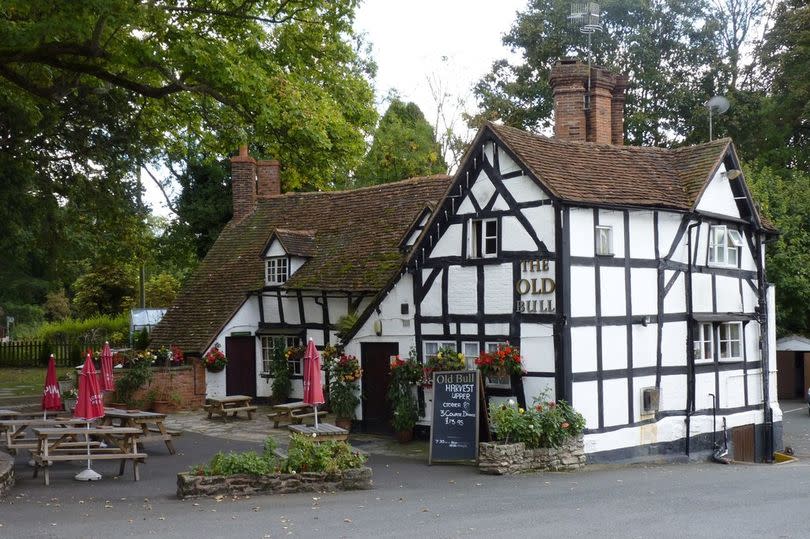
404	146
161	289
105	290
57	306
669	49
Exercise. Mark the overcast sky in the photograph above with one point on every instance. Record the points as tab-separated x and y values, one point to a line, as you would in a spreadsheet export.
452	42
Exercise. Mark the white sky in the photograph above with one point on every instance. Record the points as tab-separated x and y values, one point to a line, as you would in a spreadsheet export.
453	42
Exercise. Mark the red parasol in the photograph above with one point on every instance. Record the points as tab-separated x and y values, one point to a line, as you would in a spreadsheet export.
51	398
313	391
107	380
88	407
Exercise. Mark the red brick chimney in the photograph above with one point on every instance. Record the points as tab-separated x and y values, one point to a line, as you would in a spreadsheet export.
599	119
243	184
269	178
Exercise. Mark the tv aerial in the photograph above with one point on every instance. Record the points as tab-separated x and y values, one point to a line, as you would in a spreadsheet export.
587	17
716	105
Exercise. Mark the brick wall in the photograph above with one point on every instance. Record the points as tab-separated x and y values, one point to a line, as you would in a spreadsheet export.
187	382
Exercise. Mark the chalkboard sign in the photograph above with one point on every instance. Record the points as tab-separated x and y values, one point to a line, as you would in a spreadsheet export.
454	429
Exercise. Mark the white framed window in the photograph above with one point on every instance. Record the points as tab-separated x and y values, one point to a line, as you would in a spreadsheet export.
268	350
431	348
729	340
724	245
276	270
483	238
504	382
604	240
471	351
704	342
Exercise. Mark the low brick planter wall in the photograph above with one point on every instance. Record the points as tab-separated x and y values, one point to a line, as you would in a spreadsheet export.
186	383
500	459
195	486
6	473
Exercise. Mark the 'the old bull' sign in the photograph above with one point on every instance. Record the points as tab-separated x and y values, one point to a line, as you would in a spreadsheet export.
454	429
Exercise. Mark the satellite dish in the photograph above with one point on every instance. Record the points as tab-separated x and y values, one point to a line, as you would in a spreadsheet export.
716	105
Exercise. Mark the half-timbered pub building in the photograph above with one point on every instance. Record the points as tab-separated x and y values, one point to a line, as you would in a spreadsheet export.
631	278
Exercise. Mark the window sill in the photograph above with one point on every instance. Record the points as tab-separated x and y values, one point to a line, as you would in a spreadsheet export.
605	255
265	375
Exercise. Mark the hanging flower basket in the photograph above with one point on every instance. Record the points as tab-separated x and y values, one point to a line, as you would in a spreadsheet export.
215	360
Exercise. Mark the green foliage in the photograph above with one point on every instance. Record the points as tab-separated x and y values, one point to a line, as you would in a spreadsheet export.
141	339
57	306
109	289
136	375
670	49
282	384
304	455
446	359
545	424
86	332
405	374
307	455
404	146
161	289
343	399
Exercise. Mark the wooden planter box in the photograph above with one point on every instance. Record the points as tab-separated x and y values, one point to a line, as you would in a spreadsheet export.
505	459
194	486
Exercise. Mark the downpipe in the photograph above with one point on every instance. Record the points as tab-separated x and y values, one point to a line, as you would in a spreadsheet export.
719	453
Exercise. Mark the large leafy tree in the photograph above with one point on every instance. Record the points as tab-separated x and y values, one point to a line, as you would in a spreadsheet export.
404	146
92	90
669	49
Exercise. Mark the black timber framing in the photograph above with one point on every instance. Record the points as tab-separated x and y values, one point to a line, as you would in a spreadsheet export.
600	394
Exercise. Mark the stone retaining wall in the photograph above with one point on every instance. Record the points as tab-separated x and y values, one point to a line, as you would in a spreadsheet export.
194	486
6	473
500	459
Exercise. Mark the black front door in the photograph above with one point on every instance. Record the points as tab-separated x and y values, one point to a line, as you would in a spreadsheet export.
240	375
376	358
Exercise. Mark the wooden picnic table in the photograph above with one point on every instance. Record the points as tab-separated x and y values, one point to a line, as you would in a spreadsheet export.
292	412
13	430
325	431
141	420
232	404
8	414
56	444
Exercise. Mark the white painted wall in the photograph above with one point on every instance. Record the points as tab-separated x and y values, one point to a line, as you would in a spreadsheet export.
514	236
449	243
246	318
718	198
542	221
498	289
523	188
581	232
462	296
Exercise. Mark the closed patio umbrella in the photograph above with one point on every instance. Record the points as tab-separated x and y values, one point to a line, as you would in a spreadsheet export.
313	391
107	380
51	398
88	407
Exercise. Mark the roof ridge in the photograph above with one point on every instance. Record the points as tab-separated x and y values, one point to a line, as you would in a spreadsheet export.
411	180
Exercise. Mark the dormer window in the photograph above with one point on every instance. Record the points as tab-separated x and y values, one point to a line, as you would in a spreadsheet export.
277	270
724	246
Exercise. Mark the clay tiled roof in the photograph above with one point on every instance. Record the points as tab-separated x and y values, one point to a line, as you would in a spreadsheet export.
621	175
355	236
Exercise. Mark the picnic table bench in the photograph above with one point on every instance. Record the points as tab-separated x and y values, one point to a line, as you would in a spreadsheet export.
121	444
325	431
141	420
13	431
232	404
292	412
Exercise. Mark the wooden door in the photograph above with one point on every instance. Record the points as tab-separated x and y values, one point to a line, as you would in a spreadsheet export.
743	439
240	375
376	361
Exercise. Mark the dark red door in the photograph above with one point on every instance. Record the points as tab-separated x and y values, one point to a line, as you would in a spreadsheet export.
376	358
240	375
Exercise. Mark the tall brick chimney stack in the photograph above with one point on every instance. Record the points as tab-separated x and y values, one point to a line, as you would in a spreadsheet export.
243	184
268	178
603	121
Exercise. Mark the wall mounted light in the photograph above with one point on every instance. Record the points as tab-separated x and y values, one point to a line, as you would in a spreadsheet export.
378	327
733	173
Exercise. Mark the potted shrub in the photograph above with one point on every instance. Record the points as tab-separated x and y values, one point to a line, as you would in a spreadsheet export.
343	400
69	397
405	375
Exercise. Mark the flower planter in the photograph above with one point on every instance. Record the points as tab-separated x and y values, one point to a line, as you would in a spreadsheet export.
404	436
506	459
343	423
162	407
190	485
69	404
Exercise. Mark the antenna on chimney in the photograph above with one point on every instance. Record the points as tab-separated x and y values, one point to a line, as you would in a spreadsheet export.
718	104
586	16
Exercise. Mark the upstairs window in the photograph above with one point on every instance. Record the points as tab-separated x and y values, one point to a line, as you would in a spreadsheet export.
483	238
704	345
724	246
729	340
276	270
604	240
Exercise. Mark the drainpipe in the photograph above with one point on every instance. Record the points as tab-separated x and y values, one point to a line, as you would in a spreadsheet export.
690	340
767	412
